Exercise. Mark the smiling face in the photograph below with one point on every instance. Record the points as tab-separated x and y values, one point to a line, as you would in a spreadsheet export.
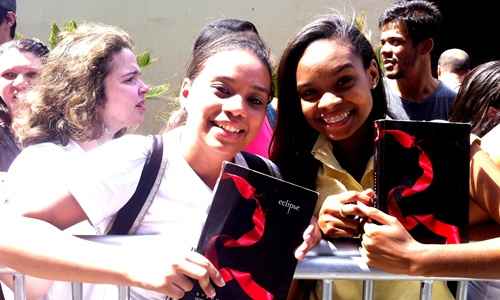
124	105
398	53
226	102
18	69
335	88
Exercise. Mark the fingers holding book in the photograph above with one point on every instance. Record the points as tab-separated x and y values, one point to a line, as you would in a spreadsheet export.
312	236
386	244
199	268
338	214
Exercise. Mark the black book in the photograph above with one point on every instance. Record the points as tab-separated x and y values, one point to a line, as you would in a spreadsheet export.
422	177
253	227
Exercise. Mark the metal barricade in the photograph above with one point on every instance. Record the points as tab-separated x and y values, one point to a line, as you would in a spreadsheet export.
342	260
327	262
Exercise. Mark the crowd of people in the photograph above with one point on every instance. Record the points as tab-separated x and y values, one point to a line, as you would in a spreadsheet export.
71	166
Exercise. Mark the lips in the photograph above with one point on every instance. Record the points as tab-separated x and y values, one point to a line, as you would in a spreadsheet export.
337	118
228	127
141	105
389	62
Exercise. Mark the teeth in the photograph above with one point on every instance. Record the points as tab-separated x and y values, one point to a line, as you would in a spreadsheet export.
335	118
229	128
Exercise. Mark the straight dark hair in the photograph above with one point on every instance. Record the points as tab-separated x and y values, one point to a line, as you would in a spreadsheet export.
479	92
294	138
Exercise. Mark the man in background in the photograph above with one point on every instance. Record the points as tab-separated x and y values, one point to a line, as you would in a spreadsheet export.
453	65
408	32
7	20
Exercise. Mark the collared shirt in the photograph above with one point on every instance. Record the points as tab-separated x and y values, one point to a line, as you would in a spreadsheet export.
332	178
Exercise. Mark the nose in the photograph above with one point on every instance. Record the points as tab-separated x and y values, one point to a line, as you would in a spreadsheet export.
328	99
144	88
234	105
385	49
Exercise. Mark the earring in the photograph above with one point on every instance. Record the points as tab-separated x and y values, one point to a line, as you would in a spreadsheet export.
185	93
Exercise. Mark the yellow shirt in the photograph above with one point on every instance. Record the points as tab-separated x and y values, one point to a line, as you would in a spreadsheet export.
333	179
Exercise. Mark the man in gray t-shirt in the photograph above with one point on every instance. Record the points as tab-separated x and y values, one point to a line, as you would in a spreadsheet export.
407	42
435	106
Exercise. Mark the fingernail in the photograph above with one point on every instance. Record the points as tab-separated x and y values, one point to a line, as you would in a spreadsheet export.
220	280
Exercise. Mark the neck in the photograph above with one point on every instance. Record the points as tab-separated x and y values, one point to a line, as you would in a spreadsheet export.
107	135
206	162
353	153
418	84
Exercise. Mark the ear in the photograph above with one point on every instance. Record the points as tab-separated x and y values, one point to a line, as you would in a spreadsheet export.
184	92
10	18
373	73
439	71
425	46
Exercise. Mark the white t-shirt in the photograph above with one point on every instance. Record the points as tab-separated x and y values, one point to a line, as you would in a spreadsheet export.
40	173
179	209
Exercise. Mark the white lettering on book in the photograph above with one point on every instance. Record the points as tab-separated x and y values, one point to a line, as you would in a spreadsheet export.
289	205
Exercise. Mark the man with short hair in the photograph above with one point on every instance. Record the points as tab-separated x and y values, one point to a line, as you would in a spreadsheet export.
408	32
453	65
7	20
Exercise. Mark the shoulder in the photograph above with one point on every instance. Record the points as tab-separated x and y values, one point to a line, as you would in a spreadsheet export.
129	146
443	91
36	154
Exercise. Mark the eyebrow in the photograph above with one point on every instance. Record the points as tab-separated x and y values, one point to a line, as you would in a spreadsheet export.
133	72
257	87
332	72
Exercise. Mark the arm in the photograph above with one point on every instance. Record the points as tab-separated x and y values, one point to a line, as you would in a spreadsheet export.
68	258
485	182
390	247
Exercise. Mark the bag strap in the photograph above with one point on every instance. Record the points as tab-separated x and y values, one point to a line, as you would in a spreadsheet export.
260	164
128	215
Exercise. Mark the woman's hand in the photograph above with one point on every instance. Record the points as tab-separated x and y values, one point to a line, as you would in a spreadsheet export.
312	236
174	278
336	216
388	246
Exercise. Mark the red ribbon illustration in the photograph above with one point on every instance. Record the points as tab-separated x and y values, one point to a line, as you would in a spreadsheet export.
447	231
244	279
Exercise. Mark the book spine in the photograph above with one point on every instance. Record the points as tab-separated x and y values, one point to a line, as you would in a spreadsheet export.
378	158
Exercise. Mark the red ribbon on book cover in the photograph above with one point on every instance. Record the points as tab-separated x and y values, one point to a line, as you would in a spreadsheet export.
447	231
244	279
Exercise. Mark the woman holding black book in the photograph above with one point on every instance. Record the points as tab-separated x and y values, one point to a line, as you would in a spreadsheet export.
226	90
330	92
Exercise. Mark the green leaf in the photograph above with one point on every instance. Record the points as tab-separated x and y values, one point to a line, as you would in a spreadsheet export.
144	59
360	22
70	26
157	91
53	35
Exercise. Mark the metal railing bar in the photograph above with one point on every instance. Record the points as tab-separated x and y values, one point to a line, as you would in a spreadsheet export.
123	292
327	290
426	290
19	291
76	291
462	289
367	289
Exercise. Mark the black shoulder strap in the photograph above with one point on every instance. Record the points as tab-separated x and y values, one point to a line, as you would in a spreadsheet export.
129	212
257	163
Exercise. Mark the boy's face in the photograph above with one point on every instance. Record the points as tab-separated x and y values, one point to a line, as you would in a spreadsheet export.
398	52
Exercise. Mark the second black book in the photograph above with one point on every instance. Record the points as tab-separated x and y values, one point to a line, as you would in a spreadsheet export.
422	177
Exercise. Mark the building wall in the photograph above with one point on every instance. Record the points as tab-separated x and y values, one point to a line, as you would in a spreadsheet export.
168	28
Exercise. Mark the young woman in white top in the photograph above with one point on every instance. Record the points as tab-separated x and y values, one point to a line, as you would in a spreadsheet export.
226	90
89	91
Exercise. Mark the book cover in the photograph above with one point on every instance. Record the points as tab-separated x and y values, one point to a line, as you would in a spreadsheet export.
422	177
253	227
